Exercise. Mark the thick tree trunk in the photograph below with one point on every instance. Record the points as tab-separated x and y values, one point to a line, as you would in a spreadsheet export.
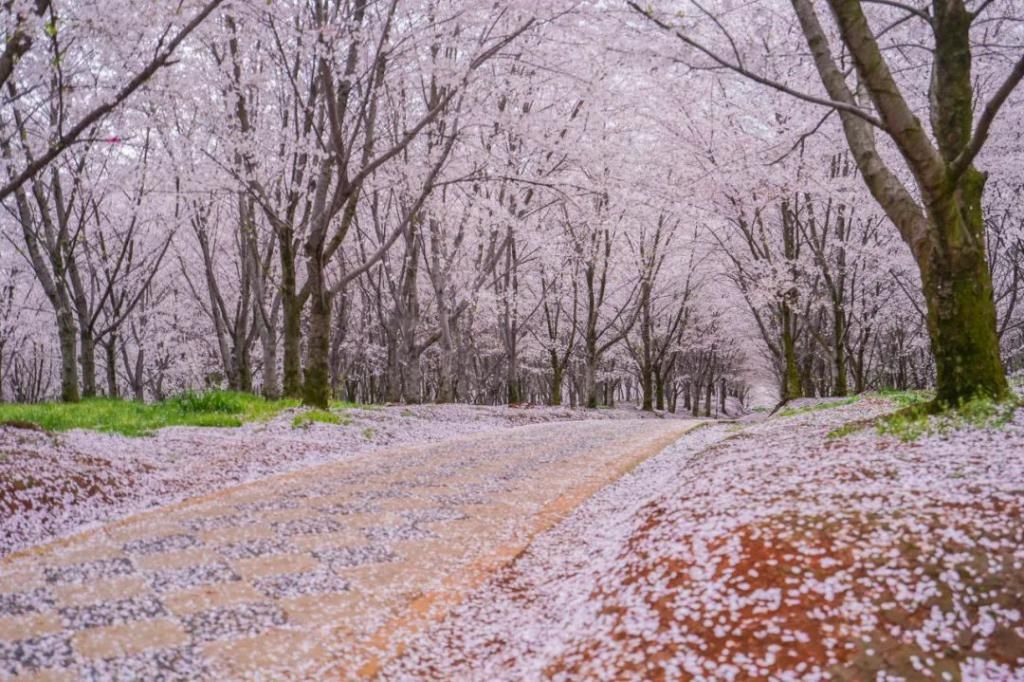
659	391
945	233
445	391
958	291
647	388
411	378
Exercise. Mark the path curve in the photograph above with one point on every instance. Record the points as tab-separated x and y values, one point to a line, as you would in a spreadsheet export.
319	573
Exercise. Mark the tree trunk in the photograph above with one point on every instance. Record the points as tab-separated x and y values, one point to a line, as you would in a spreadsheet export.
268	343
945	231
87	358
67	335
316	387
446	366
393	378
647	387
411	378
110	349
291	308
134	371
791	371
958	291
242	365
590	378
515	395
859	382
556	380
839	348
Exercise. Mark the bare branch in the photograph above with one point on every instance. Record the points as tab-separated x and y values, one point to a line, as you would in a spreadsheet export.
757	78
966	157
72	135
919	13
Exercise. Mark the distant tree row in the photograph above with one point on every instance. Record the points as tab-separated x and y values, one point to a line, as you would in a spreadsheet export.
430	200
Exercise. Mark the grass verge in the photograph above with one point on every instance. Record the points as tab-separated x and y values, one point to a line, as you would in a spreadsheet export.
307	417
929	419
131	418
793	411
919	415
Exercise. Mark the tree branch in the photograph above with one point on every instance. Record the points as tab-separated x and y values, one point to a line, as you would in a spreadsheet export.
68	138
750	75
966	157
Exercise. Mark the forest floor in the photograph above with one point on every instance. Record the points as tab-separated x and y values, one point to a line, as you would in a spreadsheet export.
316	574
795	548
803	546
54	483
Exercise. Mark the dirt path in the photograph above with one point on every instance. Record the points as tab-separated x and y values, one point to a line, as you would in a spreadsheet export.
319	573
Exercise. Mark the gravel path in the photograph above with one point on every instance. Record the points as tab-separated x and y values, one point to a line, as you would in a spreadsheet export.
319	573
511	627
56	484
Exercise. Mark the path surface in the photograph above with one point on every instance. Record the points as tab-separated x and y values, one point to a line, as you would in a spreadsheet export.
318	573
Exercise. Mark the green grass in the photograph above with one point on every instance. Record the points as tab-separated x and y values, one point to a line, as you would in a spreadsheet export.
307	417
131	418
906	398
847	429
919	415
929	419
789	412
345	405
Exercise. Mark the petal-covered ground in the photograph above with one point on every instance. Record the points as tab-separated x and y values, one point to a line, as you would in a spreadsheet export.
776	553
321	573
755	550
53	484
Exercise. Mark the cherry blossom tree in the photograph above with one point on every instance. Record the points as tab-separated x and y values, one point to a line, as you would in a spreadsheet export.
940	217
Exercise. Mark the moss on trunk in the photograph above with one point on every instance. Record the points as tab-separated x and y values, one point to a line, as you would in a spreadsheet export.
958	292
